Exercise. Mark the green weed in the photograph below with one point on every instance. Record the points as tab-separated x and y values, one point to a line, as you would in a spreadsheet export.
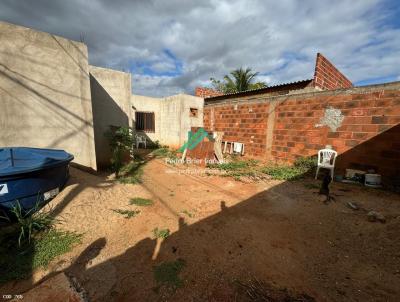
300	168
161	233
131	173
18	262
167	273
164	152
139	201
186	212
127	213
30	222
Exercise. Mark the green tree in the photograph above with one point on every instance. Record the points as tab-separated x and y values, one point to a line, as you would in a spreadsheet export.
238	80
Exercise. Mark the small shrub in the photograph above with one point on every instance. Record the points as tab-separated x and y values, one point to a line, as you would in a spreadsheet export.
306	163
31	222
127	213
167	273
139	201
155	145
161	233
120	141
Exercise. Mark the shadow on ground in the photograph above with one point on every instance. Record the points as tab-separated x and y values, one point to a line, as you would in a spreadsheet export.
297	247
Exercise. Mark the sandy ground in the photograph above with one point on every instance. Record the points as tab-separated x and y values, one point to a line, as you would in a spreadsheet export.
277	232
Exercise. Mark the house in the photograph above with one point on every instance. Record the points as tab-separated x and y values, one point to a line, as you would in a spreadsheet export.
51	97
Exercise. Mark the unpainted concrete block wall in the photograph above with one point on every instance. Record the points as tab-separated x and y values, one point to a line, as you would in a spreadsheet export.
172	116
111	99
45	93
148	104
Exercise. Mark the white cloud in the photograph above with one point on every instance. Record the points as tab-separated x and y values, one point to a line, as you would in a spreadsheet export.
279	39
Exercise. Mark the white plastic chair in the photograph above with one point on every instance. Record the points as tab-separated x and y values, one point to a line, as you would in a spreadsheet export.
140	140
326	159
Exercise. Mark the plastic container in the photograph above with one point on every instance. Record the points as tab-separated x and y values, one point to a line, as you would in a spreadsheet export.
373	180
31	177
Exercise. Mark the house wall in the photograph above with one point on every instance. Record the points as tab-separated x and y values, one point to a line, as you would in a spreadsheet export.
283	128
110	93
148	104
45	93
172	116
327	76
205	92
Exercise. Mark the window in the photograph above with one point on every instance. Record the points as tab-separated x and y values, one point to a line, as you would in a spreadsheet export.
145	121
193	112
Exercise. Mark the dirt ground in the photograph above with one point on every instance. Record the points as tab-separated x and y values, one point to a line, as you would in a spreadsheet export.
276	232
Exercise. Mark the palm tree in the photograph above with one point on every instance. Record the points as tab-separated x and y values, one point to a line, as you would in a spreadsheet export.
238	80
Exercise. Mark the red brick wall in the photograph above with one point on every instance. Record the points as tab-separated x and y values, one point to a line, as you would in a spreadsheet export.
245	123
327	76
204	92
370	115
365	116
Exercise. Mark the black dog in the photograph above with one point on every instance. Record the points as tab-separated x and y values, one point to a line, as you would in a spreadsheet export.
324	190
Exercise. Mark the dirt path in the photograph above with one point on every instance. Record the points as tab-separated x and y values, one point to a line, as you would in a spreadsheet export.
226	231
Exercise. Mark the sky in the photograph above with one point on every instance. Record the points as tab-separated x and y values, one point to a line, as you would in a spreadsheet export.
173	46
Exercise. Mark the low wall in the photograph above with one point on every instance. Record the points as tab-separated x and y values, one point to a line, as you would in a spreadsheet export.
45	93
111	93
283	128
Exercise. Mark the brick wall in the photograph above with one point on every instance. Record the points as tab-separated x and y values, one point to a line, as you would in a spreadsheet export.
327	76
370	114
244	123
204	92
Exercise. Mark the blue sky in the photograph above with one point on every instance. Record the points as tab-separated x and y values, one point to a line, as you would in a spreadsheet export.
173	46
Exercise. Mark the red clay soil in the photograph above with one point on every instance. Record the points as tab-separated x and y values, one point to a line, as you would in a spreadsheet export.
231	236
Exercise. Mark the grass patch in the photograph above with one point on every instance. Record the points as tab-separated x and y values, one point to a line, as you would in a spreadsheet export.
187	213
131	173
142	202
237	165
283	172
301	167
30	222
165	152
126	213
31	242
161	233
167	273
237	168
18	262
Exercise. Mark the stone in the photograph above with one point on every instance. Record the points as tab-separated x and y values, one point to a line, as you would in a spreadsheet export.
374	216
57	288
352	205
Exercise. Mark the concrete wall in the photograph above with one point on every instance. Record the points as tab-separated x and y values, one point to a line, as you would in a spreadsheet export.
45	93
111	93
148	104
172	116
